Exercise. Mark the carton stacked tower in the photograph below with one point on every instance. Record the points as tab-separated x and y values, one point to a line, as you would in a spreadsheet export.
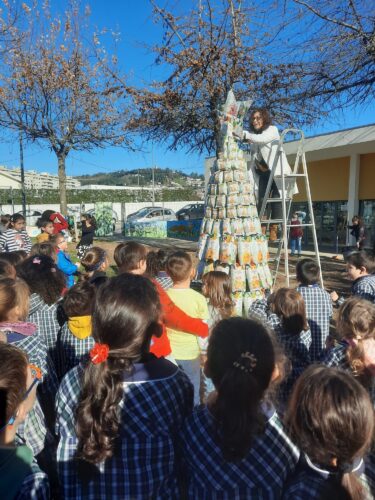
231	238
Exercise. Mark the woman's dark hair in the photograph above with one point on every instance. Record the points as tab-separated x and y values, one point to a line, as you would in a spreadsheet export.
15	218
330	418
79	300
289	306
363	258
267	121
240	362
45	248
14	258
128	255
156	262
43	277
13	379
93	259
218	290
126	315
307	271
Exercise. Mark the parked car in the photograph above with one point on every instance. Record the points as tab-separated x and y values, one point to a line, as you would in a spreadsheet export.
191	211
149	214
31	216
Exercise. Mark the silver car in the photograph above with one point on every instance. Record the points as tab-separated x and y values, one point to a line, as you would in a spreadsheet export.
150	214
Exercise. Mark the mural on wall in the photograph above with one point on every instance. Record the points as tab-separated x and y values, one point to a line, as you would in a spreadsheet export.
153	229
104	218
184	229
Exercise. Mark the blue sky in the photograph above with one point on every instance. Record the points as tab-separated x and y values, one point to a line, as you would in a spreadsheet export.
134	20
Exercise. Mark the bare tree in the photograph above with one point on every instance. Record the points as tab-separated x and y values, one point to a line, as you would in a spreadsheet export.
338	47
56	89
216	46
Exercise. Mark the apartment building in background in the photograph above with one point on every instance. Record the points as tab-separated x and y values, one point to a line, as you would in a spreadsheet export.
11	178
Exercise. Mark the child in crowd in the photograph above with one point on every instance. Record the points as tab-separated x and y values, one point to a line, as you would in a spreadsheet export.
356	351
130	257
360	267
88	226
235	446
156	262
14	307
46	230
216	287
122	440
186	348
74	338
45	248
46	284
7	270
331	419
20	477
95	263
4	222
318	306
296	232
59	222
64	262
15	238
285	312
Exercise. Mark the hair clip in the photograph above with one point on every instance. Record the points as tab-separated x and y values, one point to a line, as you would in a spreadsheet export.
99	353
36	260
248	367
53	269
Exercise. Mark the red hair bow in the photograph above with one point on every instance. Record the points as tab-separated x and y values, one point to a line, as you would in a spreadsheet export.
99	353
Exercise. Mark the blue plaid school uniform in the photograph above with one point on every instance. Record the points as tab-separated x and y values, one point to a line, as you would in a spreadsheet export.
319	313
312	482
261	474
364	287
157	398
71	350
336	357
34	486
164	280
296	347
34	430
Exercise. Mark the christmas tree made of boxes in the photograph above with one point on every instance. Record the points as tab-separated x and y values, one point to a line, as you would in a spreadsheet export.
231	238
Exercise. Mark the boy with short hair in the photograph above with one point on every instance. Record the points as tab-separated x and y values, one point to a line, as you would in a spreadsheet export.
360	266
185	348
46	230
318	305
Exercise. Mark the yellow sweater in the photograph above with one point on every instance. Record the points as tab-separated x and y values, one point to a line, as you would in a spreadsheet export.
184	345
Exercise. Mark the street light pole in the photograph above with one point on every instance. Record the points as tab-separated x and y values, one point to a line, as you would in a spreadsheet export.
22	177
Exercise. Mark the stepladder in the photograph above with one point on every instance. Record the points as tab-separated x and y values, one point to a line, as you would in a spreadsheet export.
276	210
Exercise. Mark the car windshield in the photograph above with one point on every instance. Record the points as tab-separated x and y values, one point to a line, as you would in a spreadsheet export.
142	212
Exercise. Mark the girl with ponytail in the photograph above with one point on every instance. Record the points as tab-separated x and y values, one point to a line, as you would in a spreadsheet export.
119	411
235	445
330	417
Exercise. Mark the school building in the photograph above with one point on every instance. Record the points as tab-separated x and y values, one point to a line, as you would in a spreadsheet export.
341	167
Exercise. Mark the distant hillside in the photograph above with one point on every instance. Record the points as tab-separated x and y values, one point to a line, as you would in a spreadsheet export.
142	177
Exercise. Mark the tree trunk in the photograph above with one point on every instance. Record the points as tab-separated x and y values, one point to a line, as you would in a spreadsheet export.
62	183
